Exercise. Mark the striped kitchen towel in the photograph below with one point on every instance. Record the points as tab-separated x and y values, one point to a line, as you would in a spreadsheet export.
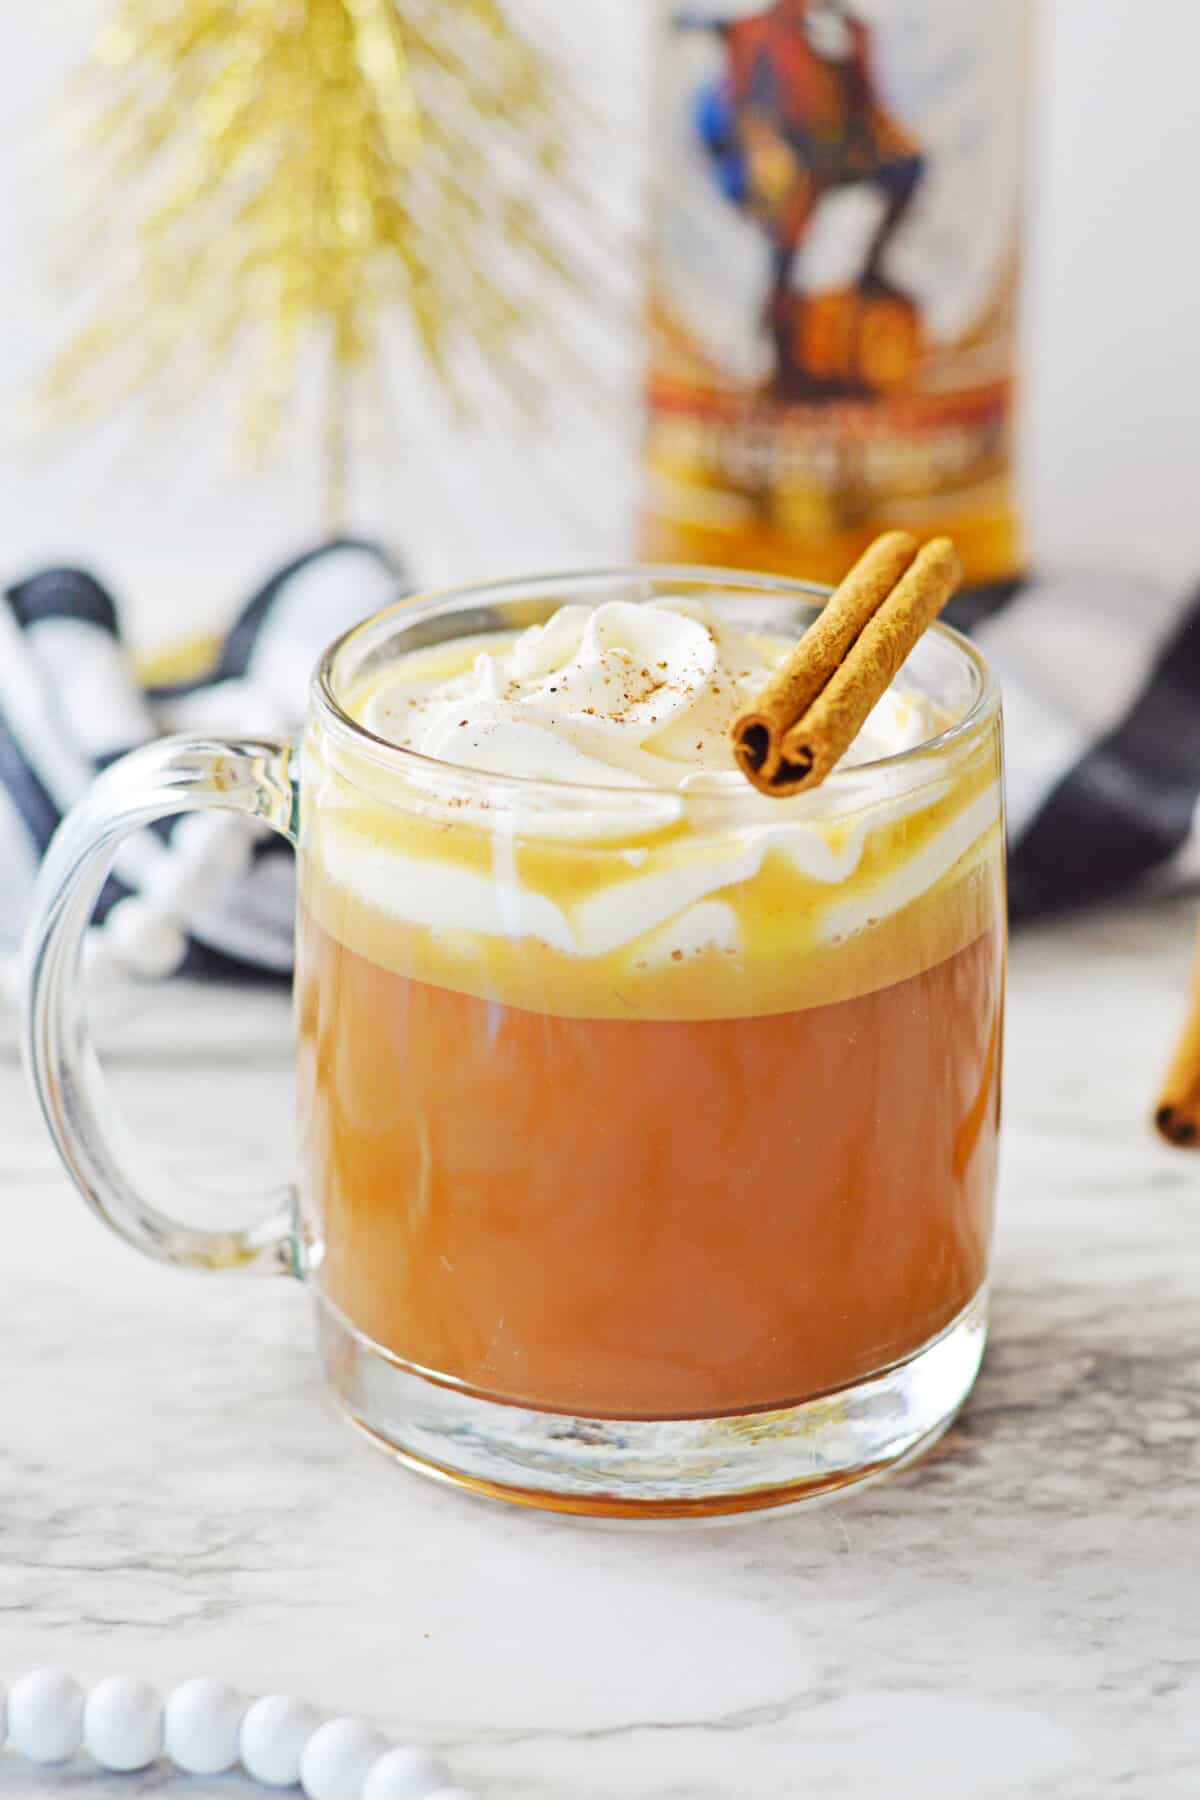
1101	679
70	703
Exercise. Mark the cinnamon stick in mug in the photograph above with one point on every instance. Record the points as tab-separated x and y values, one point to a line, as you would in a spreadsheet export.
816	701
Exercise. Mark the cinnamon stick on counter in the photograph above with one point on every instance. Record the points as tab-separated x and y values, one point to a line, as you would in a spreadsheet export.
1177	1114
816	701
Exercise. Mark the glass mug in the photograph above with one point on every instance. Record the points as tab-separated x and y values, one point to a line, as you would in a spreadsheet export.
647	1138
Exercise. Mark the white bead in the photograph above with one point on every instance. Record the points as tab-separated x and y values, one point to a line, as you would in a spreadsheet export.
406	1773
201	1726
274	1733
123	1723
214	844
101	965
45	1715
337	1757
148	944
190	834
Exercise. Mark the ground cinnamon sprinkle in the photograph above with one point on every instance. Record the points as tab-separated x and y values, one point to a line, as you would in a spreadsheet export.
815	703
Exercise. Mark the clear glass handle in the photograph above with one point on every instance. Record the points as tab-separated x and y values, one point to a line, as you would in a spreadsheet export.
171	776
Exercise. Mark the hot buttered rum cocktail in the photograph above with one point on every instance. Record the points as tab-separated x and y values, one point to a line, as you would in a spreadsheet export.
630	1094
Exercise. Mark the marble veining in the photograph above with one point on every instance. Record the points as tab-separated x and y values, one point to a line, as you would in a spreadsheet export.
1014	1616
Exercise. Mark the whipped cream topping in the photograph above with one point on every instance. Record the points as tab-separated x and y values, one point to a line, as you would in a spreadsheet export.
620	695
632	702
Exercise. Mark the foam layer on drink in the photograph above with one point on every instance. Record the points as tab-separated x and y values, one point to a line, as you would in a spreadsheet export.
650	880
619	695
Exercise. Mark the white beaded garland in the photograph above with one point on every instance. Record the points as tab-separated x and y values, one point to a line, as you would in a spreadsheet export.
201	1726
216	846
149	944
406	1773
123	1723
274	1733
206	1727
337	1758
45	1715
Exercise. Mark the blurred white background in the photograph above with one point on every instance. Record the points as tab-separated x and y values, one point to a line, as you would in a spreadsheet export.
181	529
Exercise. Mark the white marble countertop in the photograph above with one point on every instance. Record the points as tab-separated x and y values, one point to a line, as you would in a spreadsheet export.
1015	1616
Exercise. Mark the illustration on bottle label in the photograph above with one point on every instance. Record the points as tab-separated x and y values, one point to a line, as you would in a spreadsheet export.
834	290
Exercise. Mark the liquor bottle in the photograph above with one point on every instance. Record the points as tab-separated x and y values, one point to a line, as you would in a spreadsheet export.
834	280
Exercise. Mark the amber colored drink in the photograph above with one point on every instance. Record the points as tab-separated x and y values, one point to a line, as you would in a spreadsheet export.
648	1124
649	1217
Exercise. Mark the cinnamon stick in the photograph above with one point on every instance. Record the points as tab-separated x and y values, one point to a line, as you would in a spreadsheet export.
1177	1115
815	703
793	686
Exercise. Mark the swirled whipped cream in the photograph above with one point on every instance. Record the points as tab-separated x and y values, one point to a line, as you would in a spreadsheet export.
620	695
664	885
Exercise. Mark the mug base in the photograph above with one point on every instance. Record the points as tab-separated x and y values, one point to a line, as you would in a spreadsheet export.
654	1468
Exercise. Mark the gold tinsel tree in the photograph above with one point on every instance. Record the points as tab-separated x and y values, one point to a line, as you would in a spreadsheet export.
278	178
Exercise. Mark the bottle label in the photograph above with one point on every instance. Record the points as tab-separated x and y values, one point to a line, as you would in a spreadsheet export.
834	293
